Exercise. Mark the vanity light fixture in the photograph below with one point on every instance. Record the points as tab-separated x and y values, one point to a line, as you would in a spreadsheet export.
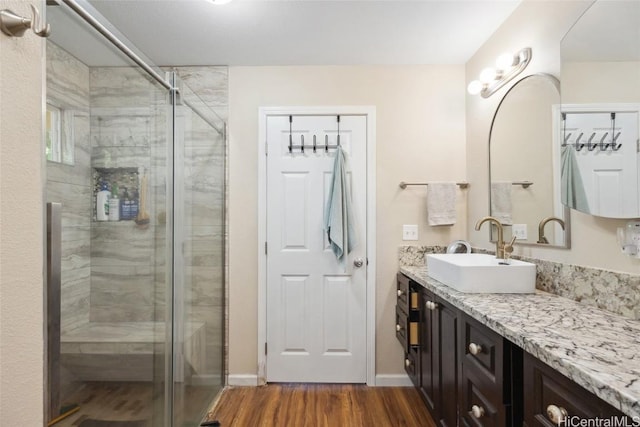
219	2
507	67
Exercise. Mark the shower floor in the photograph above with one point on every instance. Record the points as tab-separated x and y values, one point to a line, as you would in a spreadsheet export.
130	401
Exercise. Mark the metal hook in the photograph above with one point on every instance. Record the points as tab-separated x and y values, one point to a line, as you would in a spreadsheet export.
614	146
15	25
577	144
314	143
302	144
591	146
566	138
603	146
326	143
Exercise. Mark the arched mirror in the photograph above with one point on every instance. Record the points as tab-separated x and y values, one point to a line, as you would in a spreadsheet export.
524	190
601	111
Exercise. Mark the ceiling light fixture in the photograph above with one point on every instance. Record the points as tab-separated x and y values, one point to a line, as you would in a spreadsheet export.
507	67
219	2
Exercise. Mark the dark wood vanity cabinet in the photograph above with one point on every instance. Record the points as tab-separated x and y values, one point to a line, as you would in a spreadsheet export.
438	358
468	375
549	395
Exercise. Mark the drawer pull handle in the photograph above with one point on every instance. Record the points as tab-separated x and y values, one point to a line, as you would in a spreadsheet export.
400	293
407	362
431	305
475	349
477	411
398	328
556	414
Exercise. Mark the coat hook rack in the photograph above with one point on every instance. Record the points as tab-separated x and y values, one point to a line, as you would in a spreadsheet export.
15	25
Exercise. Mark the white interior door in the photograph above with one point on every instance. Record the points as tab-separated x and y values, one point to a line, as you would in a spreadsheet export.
610	177
316	306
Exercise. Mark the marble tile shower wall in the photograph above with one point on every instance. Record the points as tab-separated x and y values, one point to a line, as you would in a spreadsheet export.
612	291
128	269
128	130
68	89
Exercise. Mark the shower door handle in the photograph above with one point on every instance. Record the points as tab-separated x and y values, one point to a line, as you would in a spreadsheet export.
54	277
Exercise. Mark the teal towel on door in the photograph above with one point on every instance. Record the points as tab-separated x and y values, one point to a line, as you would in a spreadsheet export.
338	217
572	191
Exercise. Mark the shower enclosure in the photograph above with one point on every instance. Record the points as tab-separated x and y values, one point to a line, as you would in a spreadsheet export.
135	175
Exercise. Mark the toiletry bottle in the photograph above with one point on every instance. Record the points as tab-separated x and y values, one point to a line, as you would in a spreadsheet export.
134	204
114	204
125	206
102	202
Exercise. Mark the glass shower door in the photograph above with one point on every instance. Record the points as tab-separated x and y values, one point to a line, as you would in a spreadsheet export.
199	188
108	165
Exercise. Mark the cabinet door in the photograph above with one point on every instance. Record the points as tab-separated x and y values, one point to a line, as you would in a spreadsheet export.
544	387
427	354
447	384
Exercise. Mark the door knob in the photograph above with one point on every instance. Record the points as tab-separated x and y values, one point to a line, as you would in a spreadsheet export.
358	262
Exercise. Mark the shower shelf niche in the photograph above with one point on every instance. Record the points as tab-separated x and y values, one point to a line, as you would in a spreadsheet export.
124	178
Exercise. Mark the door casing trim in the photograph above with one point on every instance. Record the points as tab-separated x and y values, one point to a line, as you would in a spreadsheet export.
370	113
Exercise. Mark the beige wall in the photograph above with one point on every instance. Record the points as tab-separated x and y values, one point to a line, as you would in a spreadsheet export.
540	25
601	82
21	227
420	137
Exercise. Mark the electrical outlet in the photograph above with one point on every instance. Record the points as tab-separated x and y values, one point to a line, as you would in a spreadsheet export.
519	231
410	232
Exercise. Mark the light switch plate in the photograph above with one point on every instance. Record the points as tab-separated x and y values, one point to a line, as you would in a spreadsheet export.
519	231
410	232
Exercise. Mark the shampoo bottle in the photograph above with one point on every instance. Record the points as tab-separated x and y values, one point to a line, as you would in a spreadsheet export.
114	204
102	202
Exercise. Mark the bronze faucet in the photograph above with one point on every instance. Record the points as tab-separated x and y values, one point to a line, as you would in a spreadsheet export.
502	248
541	238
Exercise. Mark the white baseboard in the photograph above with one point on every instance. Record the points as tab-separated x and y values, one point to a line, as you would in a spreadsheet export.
382	380
393	380
245	380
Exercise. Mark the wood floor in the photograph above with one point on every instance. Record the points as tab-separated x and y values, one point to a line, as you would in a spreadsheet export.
299	405
134	401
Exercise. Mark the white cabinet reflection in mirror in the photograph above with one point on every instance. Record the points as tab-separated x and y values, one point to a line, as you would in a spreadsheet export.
600	159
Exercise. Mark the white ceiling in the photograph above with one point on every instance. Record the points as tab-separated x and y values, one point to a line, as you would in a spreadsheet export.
297	32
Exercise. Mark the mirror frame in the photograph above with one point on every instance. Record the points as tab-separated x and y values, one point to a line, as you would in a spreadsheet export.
565	210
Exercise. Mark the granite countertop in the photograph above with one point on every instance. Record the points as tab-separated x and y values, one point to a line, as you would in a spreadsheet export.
595	348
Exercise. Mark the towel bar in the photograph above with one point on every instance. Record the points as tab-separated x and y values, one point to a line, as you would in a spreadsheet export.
404	185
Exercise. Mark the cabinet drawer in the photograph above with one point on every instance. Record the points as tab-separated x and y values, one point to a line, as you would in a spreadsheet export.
401	326
479	405
402	291
410	365
482	349
543	387
407	329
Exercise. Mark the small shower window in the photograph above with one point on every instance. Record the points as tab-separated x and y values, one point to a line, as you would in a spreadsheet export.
59	135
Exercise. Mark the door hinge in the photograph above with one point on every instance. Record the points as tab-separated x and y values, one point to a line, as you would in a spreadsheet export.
265	348
265	248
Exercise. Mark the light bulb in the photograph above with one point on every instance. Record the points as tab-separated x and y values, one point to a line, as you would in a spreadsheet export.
504	61
475	87
488	75
219	2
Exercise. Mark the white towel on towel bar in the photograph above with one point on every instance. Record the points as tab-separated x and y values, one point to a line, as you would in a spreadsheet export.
501	202
441	203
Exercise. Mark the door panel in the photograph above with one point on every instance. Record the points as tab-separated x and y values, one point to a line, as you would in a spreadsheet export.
316	305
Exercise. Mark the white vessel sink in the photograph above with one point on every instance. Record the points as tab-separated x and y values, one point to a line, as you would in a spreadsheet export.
481	273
